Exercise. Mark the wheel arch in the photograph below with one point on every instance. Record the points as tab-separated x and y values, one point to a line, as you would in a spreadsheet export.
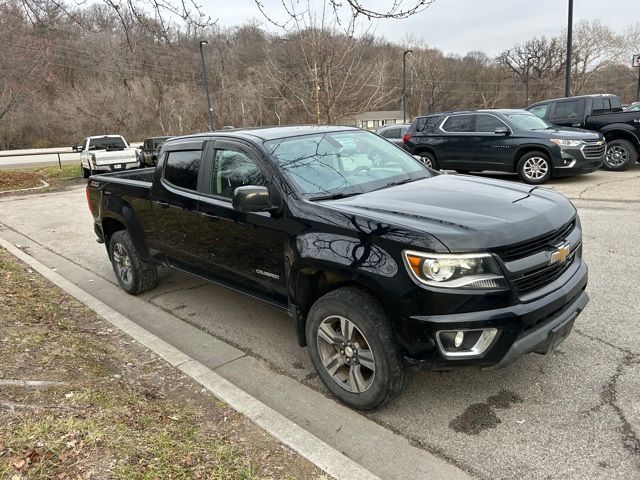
524	149
310	282
618	133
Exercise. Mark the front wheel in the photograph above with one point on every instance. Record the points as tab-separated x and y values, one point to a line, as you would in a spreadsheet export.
534	168
134	276
621	154
353	349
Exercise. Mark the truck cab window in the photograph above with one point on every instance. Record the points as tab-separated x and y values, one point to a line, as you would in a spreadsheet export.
567	110
181	168
540	111
233	169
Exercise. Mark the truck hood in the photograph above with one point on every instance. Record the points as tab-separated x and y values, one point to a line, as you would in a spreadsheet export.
464	213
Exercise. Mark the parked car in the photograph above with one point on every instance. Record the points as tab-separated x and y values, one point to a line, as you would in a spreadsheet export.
394	133
503	140
634	107
600	113
106	153
380	266
148	153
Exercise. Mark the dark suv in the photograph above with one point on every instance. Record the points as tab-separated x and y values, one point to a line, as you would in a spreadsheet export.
504	140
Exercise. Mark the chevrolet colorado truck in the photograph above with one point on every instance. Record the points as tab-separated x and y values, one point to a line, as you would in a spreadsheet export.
380	262
600	113
106	153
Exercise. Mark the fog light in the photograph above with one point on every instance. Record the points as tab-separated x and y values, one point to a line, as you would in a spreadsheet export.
465	343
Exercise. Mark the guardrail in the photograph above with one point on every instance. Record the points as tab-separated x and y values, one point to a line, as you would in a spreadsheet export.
58	153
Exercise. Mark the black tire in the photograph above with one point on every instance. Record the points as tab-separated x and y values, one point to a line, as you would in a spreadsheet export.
372	329
621	154
429	159
143	276
528	173
86	173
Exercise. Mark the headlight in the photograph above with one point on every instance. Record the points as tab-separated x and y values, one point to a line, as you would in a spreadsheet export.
475	270
566	143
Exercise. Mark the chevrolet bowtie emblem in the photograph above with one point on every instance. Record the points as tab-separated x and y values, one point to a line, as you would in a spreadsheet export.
560	255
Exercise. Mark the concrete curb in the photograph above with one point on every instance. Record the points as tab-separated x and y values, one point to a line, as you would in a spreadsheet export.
295	437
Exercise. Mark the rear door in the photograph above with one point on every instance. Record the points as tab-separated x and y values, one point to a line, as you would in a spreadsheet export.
490	151
455	149
175	204
246	248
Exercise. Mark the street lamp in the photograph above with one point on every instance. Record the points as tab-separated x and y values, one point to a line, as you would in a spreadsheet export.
206	83
567	76
526	82
404	85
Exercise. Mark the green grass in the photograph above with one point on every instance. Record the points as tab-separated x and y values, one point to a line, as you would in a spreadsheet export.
68	170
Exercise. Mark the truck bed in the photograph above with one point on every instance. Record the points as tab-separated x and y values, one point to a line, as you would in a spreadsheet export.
143	175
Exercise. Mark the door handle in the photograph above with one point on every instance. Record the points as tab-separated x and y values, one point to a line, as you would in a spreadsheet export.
210	216
162	203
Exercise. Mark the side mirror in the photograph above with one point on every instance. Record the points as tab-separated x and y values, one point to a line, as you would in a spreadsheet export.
251	198
75	148
502	131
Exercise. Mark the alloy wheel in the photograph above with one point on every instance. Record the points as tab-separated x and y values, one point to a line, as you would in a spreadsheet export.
535	168
123	263
426	161
616	156
346	354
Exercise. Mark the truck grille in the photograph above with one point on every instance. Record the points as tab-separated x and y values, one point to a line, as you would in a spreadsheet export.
515	252
593	150
542	276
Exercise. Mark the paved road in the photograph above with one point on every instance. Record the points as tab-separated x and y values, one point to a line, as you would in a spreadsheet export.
574	414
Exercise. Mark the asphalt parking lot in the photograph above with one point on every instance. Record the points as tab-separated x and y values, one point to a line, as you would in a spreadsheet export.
574	414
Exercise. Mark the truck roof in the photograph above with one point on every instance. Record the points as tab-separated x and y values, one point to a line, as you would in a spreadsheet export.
105	136
269	133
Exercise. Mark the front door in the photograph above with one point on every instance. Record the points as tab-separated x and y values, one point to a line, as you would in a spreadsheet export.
247	248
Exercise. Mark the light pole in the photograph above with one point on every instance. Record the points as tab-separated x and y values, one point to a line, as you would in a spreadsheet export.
404	85
567	76
526	82
206	83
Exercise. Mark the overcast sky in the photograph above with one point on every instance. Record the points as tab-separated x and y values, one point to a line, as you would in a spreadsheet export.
458	26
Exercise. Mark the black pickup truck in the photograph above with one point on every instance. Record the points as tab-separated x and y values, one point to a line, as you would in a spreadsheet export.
381	262
601	113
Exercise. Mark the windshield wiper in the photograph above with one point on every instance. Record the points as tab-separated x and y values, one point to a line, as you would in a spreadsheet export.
401	182
334	196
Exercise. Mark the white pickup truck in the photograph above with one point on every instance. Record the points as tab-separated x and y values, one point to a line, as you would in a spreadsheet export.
106	153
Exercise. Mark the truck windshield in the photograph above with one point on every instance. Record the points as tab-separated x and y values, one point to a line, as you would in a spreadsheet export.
107	143
527	121
344	163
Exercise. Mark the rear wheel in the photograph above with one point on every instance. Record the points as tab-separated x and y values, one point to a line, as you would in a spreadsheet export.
134	276
86	173
534	168
353	350
429	160
621	154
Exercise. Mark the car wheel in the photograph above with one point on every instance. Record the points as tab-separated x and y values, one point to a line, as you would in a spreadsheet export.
621	154
429	160
353	349
134	276
534	168
86	173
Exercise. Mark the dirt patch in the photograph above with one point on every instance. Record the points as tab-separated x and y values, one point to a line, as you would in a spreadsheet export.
111	409
57	178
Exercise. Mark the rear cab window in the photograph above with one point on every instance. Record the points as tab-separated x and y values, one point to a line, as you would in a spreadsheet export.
107	143
181	168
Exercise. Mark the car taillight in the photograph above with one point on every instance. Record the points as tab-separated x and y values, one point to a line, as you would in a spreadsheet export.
89	200
406	137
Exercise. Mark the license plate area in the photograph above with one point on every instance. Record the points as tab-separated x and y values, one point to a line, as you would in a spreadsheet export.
556	336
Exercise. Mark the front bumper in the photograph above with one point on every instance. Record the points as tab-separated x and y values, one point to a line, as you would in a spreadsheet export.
572	161
524	327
